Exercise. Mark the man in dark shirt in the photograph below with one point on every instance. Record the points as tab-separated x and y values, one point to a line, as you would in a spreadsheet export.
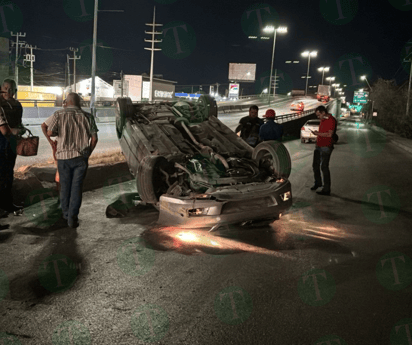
271	130
249	126
323	150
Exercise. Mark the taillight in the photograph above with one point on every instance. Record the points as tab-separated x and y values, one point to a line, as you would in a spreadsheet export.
303	128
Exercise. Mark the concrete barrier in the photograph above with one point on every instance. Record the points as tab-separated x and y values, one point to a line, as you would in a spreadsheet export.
37	115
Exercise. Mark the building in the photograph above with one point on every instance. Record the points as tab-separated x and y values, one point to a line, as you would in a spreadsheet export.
104	91
137	87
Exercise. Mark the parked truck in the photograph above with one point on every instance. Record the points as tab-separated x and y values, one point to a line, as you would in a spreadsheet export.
323	94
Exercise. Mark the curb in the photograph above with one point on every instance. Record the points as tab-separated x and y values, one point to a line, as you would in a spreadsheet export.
41	178
393	138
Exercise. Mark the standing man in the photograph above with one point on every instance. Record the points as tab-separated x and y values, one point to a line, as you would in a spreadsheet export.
249	126
323	150
77	138
271	130
13	113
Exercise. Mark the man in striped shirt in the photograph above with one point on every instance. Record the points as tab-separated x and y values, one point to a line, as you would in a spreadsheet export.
77	138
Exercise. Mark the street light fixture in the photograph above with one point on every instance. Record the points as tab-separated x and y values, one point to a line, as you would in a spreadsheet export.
269	29
330	79
323	70
308	54
363	77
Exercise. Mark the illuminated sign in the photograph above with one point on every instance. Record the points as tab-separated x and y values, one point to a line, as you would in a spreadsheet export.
233	90
245	72
360	97
163	94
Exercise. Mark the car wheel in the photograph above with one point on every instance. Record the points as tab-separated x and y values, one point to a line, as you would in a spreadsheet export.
274	156
151	181
209	105
124	109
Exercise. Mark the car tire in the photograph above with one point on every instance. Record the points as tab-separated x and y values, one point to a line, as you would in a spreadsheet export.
281	163
124	110
209	105
151	182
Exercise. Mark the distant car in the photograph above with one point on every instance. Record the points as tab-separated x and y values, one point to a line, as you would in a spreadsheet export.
297	106
323	98
305	134
195	170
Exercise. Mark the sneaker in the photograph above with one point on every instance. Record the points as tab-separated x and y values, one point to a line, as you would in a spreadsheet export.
73	223
322	192
315	186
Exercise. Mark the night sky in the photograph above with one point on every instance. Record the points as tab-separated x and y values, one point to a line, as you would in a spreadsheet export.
368	35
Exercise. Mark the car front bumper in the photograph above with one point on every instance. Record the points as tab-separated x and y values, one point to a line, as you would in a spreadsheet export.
232	205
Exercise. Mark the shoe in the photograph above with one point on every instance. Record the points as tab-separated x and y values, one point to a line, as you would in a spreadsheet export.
315	186
73	223
322	192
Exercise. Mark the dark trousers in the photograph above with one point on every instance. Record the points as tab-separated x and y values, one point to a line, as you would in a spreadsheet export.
7	163
72	173
321	158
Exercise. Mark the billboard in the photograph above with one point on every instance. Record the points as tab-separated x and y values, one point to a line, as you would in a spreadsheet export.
234	91
242	72
360	97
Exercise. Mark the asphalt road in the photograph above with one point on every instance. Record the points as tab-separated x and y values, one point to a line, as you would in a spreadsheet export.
108	138
334	270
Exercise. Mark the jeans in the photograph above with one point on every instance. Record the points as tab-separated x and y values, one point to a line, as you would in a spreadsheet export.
7	162
321	158
72	173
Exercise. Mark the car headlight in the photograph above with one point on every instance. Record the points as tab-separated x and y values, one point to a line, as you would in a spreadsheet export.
198	212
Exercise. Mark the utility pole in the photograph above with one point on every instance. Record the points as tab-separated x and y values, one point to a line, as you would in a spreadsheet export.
74	58
68	74
31	58
409	86
217	88
153	49
274	84
121	83
17	43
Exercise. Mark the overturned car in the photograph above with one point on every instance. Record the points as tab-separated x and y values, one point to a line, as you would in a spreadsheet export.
195	170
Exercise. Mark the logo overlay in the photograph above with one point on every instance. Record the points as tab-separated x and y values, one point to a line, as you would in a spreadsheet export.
330	340
4	285
8	339
283	81
43	207
381	204
402	5
316	287
104	59
11	18
149	323
366	143
257	17
122	187
57	273
71	332
406	54
394	271
338	12
233	305
349	68
79	10
179	40
401	333
135	257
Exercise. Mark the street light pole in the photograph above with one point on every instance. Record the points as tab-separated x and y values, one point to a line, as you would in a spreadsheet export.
93	89
271	66
307	76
